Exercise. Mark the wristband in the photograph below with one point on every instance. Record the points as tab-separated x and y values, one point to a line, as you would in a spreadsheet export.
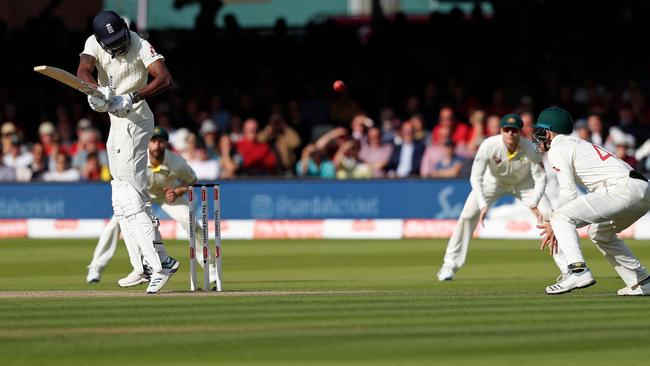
135	97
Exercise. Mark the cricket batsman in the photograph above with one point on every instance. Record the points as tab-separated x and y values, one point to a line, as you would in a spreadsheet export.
168	177
504	164
124	61
617	196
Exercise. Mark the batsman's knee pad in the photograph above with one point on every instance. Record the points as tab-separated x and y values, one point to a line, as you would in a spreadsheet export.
126	200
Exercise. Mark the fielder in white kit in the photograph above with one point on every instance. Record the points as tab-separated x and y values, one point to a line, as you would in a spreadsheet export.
504	164
124	62
617	196
168	177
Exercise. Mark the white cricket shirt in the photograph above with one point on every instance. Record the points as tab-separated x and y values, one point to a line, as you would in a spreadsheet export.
173	170
494	166
127	73
583	163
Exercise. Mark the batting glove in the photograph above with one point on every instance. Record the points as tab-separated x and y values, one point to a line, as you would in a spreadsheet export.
121	105
101	104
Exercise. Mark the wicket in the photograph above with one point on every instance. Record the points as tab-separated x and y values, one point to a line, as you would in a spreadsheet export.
205	233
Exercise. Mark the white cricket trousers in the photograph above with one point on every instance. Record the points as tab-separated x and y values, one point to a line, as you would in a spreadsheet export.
458	244
608	210
179	211
126	147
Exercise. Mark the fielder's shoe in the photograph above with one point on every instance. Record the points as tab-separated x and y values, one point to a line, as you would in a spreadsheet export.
133	279
158	280
640	289
445	273
570	281
94	274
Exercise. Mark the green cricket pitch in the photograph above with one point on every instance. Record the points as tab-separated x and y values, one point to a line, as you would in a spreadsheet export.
319	302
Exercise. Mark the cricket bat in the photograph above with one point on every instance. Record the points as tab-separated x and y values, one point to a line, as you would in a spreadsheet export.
69	80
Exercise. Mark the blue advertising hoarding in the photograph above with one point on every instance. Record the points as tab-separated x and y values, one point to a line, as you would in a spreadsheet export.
258	199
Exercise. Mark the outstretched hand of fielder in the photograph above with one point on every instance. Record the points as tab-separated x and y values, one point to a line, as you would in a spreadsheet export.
548	237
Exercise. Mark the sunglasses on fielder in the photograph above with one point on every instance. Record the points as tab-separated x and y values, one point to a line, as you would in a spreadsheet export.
512	130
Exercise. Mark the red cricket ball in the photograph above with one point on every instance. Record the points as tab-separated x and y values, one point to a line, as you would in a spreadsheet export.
339	86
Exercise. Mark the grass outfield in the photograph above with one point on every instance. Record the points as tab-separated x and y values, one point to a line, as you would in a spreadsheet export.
319	303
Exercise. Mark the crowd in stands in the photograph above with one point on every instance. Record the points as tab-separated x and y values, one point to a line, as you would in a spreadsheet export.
264	106
389	148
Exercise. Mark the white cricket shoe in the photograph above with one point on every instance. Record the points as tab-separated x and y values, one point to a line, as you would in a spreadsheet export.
640	289
133	279
445	273
570	281
94	274
158	280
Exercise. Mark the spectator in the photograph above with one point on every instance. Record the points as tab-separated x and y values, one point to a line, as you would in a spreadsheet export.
8	131
332	140
581	131
375	153
46	135
283	139
449	165
55	148
460	131
258	156
204	167
89	143
434	152
17	156
624	150
476	134
359	127
208	133
420	134
407	156
597	132
82	125
314	163
235	129
7	173
347	162
188	148
529	120
92	169
229	158
492	125
39	164
62	171
617	137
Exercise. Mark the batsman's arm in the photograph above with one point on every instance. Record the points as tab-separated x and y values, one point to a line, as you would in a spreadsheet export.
86	69
162	80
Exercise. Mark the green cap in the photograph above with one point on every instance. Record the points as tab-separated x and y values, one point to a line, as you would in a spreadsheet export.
555	119
160	132
511	120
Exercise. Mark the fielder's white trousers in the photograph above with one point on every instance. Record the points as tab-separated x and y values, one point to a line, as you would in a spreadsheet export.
179	211
608	211
458	244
